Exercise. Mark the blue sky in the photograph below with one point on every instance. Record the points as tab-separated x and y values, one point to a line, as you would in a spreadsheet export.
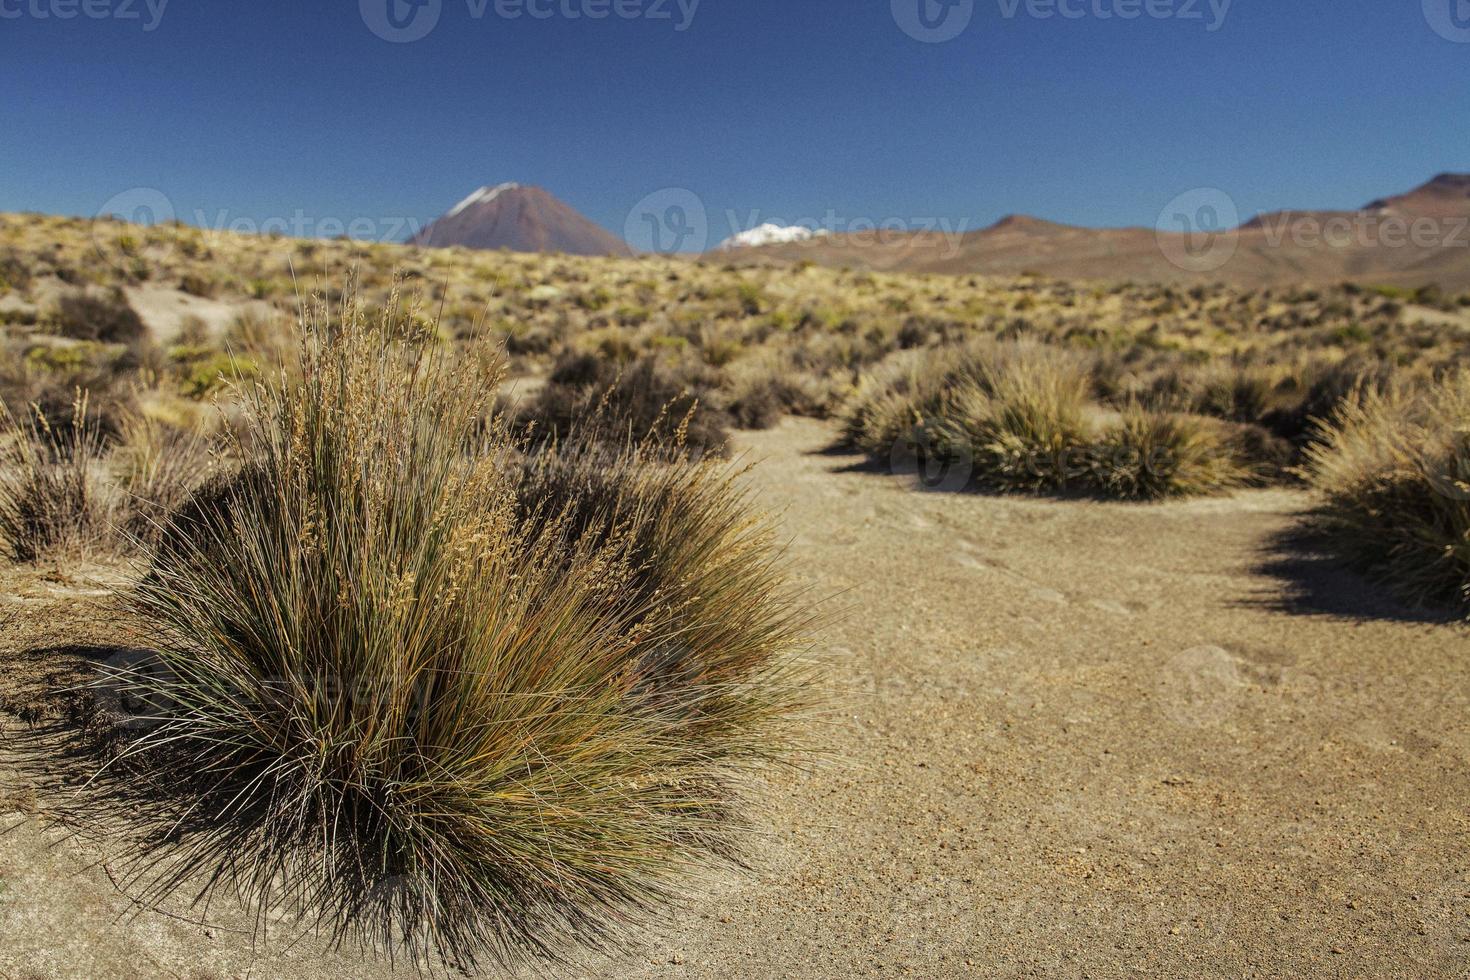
766	109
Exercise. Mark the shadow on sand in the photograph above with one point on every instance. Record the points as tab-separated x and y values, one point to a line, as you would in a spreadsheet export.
1315	582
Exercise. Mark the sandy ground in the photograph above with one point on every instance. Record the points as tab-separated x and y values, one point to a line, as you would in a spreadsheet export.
1077	740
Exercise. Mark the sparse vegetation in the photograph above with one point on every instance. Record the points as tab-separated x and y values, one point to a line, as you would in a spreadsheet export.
1171	390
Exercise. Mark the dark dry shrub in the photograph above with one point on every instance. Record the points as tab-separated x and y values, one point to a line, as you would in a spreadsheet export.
54	498
198	284
466	704
759	403
1150	455
1394	471
1238	395
105	316
642	401
15	273
1321	390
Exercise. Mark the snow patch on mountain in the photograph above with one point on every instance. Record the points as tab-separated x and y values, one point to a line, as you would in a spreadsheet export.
482	196
772	234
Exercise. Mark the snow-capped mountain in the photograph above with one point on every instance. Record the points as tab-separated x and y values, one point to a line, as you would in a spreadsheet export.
522	219
772	234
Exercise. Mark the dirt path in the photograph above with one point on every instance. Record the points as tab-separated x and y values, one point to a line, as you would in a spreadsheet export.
1080	740
1097	740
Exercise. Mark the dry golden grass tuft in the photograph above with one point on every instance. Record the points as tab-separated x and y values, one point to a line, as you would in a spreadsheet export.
1394	470
457	696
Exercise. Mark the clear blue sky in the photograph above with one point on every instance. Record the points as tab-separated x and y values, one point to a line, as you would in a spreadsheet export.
251	110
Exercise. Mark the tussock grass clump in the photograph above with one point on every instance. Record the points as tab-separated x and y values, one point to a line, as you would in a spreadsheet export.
1024	420
447	693
54	497
645	400
1394	468
158	467
900	403
1018	418
1150	455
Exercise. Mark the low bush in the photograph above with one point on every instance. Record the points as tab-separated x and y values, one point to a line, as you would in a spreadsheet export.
893	404
458	697
1017	418
1148	455
105	316
1024	420
645	400
1394	471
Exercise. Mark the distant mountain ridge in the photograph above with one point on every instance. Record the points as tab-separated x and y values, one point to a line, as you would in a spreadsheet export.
1413	239
522	219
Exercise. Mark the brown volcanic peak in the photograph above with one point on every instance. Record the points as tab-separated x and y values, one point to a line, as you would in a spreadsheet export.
1446	196
522	219
1026	223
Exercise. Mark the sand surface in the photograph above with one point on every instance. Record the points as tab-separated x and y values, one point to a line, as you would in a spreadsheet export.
1074	740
